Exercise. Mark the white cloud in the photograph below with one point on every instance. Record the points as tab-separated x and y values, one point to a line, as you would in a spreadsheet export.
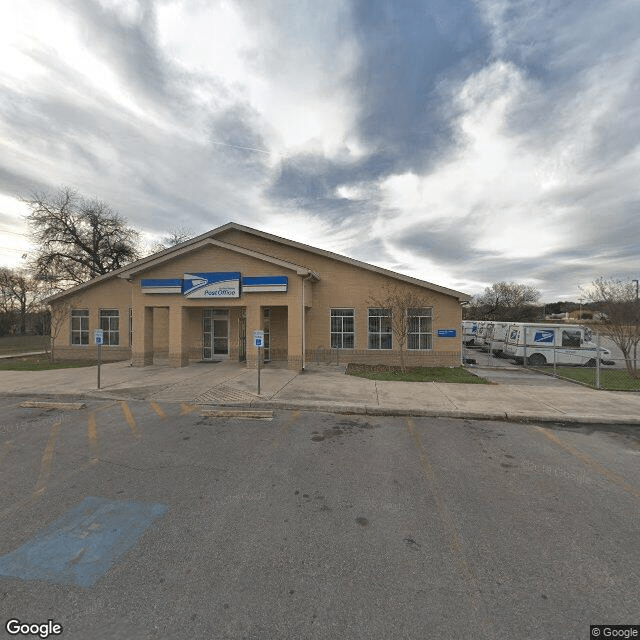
285	64
14	241
492	181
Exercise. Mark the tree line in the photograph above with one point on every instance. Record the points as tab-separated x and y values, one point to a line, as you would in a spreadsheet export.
78	238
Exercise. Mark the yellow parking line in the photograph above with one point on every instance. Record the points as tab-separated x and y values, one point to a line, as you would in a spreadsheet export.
594	464
47	460
450	528
130	419
34	497
452	535
187	408
158	409
92	433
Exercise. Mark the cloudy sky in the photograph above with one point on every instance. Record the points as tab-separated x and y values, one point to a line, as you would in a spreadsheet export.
463	142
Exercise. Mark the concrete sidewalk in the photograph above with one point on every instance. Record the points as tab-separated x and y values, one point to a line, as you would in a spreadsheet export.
529	397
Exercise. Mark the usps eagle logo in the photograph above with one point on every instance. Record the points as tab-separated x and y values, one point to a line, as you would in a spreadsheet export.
211	285
544	336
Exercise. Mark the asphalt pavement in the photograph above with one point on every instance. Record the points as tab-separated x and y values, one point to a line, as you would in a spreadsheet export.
513	394
144	519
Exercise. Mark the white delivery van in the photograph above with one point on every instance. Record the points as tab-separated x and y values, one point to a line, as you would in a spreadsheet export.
495	336
483	335
539	344
482	327
469	332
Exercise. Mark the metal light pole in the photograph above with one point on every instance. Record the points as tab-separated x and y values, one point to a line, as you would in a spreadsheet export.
635	345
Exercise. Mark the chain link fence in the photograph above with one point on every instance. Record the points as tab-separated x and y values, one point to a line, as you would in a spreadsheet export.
576	353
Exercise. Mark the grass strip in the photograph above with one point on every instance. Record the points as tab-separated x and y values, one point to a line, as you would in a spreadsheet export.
35	363
610	379
22	344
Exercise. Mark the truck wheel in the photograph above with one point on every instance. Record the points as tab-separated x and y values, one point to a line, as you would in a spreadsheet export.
590	363
537	360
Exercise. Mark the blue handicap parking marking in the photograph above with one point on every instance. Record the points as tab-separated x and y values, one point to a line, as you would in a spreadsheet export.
81	546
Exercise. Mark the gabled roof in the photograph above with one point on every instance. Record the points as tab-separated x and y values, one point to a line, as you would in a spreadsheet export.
192	245
336	256
209	238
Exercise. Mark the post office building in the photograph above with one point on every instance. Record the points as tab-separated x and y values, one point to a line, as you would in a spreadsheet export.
205	298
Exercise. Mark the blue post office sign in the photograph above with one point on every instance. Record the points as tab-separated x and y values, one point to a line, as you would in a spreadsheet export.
447	333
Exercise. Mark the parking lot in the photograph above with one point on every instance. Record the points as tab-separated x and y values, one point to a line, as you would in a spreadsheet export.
138	519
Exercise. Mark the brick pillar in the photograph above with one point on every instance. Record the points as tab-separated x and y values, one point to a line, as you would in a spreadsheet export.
294	340
142	352
178	343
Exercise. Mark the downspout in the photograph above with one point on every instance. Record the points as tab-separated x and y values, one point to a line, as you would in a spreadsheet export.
309	276
303	323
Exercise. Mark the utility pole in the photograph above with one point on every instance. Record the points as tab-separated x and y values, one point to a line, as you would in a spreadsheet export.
635	344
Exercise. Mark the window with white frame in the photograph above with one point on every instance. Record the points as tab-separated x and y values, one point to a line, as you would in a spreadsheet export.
342	328
80	326
110	325
420	325
380	329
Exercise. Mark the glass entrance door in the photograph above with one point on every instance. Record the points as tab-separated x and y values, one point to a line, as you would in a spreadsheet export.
215	333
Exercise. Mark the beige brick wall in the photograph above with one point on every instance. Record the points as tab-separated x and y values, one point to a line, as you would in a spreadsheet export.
110	294
341	285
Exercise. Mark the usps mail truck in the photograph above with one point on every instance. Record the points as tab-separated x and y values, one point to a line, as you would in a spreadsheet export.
565	344
494	338
469	332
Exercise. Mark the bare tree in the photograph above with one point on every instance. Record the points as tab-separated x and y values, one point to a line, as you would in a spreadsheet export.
18	295
618	301
407	314
504	301
60	312
77	239
174	237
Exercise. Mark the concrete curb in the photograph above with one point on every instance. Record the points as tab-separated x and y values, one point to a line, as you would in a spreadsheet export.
361	409
353	409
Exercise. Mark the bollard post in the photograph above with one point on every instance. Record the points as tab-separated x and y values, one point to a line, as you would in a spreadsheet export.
598	360
99	339
259	361
258	341
99	362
